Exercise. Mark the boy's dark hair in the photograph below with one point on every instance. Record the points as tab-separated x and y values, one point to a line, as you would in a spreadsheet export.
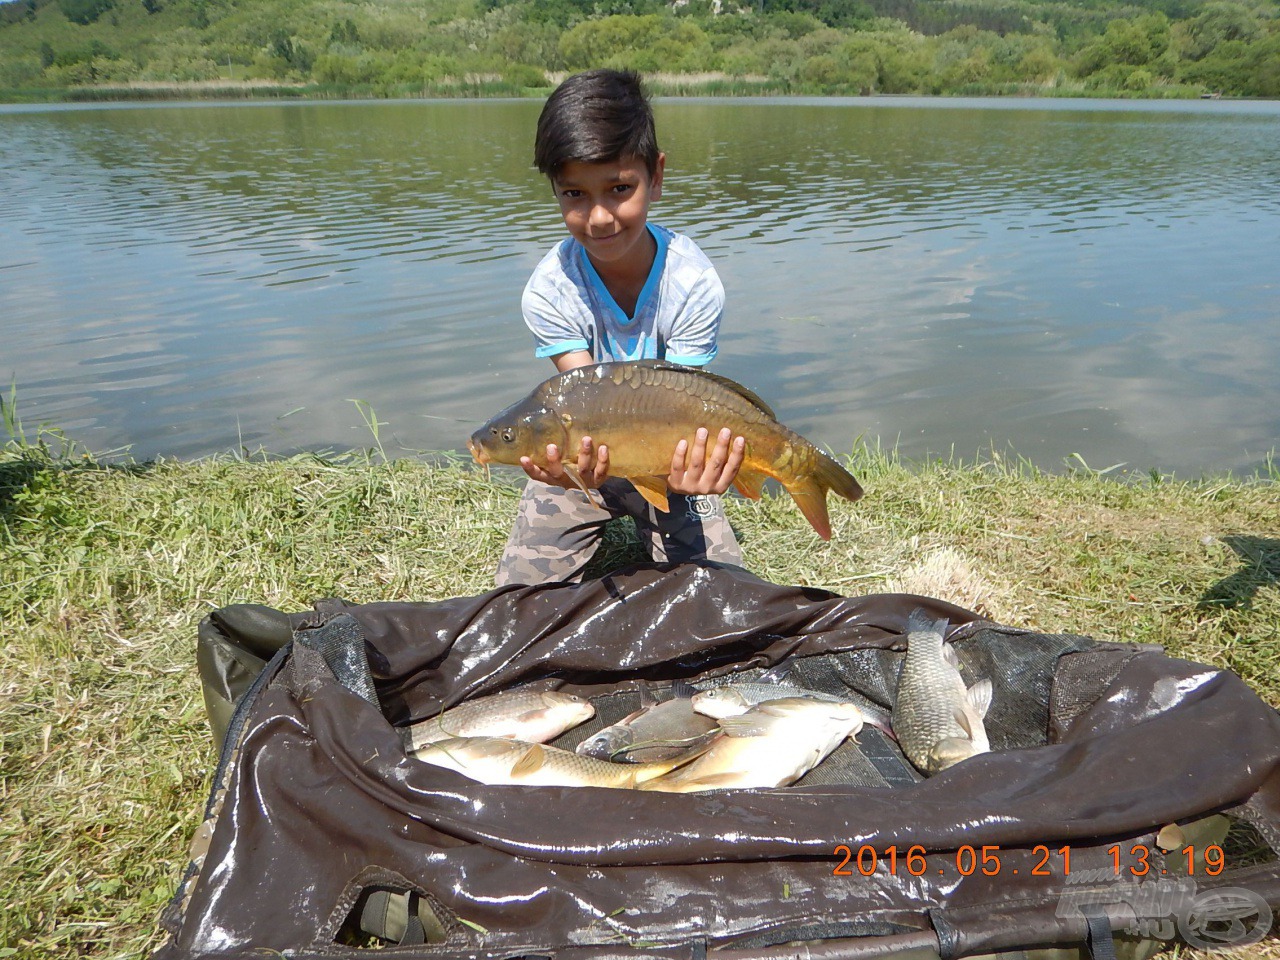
594	117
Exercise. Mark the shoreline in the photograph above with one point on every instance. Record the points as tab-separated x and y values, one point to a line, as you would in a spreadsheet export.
483	88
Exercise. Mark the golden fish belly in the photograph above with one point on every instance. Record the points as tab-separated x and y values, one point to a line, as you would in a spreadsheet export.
641	427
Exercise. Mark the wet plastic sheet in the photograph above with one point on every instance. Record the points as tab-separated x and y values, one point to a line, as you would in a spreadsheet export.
1096	746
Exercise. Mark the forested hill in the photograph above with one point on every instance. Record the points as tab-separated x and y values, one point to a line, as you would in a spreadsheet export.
414	47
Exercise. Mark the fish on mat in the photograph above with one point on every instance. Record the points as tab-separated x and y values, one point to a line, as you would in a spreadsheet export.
641	409
521	714
497	760
734	699
938	721
771	745
657	731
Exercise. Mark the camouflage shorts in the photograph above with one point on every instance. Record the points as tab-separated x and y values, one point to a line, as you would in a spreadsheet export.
557	531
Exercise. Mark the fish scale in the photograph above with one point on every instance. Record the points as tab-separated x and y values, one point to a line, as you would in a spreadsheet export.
641	409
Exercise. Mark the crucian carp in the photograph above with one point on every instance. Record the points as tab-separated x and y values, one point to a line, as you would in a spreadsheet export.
641	409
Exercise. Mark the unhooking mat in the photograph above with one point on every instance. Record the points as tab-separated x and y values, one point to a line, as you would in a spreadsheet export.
1131	800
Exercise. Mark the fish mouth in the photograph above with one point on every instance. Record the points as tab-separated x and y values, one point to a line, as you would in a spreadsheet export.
478	453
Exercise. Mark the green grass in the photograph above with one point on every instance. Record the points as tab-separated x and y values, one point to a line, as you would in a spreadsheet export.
105	754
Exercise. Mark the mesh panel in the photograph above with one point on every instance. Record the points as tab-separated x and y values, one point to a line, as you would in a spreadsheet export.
1080	680
1021	667
862	765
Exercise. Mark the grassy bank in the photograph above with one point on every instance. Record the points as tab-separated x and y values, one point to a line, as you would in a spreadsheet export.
104	751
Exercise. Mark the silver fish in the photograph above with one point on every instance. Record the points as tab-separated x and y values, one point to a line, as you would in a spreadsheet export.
938	721
496	760
522	714
733	699
736	699
657	731
771	745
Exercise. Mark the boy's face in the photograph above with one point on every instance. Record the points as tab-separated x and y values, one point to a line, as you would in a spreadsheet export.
606	206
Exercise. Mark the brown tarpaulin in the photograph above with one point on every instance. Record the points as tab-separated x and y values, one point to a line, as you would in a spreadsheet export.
1096	746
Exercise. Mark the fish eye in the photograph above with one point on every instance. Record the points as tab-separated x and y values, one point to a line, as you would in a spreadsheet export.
508	434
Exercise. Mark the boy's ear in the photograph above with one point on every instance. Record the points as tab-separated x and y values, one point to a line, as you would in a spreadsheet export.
655	190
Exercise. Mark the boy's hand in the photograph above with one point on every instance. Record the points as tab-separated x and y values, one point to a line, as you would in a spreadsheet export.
592	467
695	472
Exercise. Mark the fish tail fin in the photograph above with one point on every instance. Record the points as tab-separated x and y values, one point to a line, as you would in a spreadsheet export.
834	477
810	493
919	621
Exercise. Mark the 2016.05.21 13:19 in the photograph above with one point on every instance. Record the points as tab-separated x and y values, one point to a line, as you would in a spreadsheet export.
987	860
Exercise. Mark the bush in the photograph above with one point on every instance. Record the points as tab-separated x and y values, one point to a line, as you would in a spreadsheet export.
649	42
180	67
524	75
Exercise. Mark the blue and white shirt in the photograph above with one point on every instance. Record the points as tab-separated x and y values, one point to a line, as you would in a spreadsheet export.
677	316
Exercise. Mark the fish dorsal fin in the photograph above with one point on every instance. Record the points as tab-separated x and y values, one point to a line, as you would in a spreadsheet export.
778	674
533	760
633	716
949	654
647	699
682	690
653	489
979	696
750	484
731	385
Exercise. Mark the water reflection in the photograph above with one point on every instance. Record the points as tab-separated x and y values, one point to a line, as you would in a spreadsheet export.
1071	278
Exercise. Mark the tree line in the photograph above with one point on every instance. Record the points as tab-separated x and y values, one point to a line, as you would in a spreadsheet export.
413	47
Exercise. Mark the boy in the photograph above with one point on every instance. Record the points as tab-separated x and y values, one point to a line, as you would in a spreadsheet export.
618	288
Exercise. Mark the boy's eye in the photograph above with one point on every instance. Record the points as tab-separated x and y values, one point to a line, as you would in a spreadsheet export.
571	194
623	188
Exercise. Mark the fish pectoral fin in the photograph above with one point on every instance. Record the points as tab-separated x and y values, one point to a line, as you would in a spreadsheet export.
533	760
979	696
962	718
573	475
750	484
653	489
709	781
745	725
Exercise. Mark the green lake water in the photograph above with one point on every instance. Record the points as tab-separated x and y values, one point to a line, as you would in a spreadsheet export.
1053	278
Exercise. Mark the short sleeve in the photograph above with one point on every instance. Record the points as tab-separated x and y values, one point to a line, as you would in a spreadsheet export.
554	312
692	340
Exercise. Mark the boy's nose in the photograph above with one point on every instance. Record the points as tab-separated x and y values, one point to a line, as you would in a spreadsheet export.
600	216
